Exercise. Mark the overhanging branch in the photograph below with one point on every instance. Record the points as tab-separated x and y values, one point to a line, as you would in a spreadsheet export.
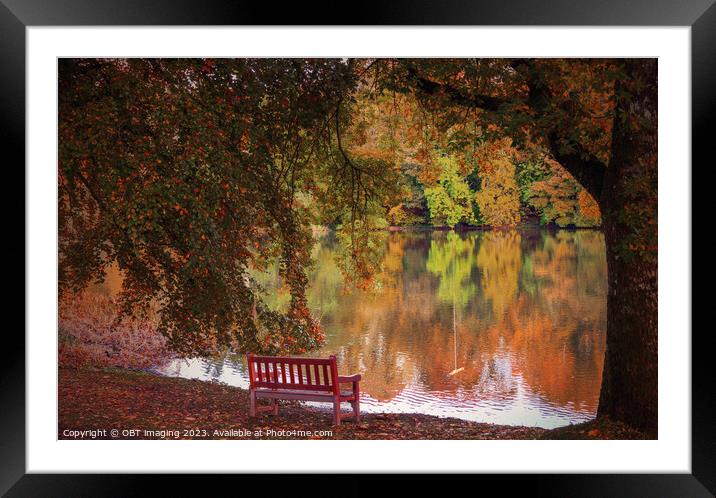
455	95
586	168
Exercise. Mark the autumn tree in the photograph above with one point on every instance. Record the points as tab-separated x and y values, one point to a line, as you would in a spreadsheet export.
556	196
597	119
588	213
189	172
498	197
450	199
186	173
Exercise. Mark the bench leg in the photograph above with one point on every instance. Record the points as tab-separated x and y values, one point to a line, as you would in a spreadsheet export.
356	410
275	407
337	411
252	404
356	403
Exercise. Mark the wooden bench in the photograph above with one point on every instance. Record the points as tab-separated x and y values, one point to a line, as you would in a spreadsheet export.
307	379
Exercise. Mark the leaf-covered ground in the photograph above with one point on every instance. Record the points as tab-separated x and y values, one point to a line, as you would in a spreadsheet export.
132	402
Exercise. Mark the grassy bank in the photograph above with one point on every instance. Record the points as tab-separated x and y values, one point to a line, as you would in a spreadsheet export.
91	399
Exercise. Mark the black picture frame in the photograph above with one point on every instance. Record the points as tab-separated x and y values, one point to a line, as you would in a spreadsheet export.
16	15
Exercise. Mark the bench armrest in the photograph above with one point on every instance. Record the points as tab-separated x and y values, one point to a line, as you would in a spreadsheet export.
349	378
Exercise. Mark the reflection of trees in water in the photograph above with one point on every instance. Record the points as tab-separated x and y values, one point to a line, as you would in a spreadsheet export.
452	260
326	282
496	375
529	304
499	260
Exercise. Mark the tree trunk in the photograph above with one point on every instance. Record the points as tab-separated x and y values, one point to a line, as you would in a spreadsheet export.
628	201
626	190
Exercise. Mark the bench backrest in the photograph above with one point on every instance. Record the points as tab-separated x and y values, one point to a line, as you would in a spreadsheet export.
293	372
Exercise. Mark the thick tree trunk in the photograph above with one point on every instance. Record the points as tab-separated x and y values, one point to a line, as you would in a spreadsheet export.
626	190
629	209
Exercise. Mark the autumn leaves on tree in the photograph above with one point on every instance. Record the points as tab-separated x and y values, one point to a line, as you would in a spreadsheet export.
192	174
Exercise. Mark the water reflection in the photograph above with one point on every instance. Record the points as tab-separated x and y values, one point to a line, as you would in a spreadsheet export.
505	327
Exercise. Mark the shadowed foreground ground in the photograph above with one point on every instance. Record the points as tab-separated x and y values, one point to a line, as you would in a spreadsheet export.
124	400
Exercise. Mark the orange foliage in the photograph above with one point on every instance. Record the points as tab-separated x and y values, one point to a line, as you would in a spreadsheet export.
588	208
498	197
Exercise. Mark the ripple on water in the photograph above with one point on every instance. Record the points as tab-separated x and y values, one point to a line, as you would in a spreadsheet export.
500	327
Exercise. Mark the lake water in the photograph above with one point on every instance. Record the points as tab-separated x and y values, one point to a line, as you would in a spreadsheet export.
506	327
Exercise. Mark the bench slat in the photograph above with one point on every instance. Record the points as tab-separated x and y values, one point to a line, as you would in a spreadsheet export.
307	379
297	395
303	373
299	360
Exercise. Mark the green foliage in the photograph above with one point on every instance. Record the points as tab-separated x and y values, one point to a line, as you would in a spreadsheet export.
450	200
529	172
555	195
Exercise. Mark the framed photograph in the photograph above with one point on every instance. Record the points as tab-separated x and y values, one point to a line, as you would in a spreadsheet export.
450	237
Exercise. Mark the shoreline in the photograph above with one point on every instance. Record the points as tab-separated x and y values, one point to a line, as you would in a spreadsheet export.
177	408
482	228
323	230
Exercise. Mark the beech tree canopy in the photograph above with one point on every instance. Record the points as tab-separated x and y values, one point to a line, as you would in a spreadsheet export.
191	174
